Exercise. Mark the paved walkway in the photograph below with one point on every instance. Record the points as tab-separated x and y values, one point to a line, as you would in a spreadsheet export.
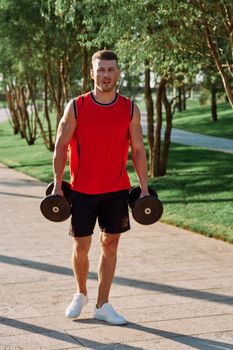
174	287
179	136
3	114
183	137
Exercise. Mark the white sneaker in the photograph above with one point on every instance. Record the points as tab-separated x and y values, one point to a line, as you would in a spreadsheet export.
76	305
108	314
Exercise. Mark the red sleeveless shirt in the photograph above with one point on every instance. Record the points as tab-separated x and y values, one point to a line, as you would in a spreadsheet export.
99	146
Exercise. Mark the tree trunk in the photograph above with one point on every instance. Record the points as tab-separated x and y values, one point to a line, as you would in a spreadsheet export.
35	110
183	98
16	97
225	80
150	115
179	103
214	52
85	70
47	139
63	76
54	96
46	111
159	117
28	128
167	134
214	116
13	111
60	96
174	91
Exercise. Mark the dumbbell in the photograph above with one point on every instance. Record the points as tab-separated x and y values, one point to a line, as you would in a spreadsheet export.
146	210
55	207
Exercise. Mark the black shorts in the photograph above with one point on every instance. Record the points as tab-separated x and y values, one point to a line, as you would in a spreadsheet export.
111	209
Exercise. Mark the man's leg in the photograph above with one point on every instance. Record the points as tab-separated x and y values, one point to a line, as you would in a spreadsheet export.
80	261
104	311
107	265
81	246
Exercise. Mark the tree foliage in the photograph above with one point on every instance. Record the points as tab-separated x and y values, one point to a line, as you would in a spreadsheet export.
46	48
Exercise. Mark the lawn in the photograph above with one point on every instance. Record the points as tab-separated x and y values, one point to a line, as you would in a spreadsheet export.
196	192
197	118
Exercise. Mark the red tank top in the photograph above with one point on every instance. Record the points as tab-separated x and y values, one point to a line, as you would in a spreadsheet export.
99	146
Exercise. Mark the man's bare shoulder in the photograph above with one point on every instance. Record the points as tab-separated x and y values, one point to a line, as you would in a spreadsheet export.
136	115
70	112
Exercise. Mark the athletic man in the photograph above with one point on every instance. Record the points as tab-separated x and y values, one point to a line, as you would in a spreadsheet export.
98	128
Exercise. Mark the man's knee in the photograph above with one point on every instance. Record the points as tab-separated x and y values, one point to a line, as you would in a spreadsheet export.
81	245
109	243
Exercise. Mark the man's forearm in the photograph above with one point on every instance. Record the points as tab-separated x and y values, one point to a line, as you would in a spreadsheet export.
59	163
141	168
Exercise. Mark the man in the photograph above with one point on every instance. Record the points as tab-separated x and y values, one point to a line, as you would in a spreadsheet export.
98	128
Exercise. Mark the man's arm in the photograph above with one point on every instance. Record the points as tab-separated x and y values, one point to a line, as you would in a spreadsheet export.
65	132
138	151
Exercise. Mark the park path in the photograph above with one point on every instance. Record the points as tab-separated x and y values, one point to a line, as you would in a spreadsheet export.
174	287
183	137
179	136
3	114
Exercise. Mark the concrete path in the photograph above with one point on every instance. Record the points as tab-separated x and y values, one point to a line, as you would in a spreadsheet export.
194	139
175	287
4	112
178	136
183	137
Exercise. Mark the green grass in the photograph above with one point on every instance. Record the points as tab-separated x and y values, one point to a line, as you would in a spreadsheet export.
196	192
34	160
3	104
198	119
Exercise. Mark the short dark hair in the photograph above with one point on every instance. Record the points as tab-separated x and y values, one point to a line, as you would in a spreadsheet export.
106	55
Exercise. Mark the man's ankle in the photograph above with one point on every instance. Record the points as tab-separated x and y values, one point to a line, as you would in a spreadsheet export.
101	303
81	291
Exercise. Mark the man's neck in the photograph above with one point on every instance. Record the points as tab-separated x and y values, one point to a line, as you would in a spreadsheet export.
104	96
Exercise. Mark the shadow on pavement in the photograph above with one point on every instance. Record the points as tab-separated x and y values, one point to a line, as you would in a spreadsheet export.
62	336
194	342
152	286
20	195
21	183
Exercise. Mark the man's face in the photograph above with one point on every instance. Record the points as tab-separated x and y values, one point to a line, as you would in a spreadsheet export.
105	75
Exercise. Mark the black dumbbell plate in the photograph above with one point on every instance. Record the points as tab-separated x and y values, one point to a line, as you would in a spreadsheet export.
55	208
147	211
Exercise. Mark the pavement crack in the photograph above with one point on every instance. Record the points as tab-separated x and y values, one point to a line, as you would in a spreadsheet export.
75	339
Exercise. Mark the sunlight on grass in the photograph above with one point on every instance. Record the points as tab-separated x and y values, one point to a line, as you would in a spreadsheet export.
196	192
198	119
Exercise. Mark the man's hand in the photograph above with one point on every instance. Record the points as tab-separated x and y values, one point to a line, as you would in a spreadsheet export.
144	193
57	190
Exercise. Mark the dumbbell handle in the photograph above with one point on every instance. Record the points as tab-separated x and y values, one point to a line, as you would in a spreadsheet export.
65	189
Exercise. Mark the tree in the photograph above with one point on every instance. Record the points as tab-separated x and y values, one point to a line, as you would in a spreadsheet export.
16	62
39	67
46	50
212	82
215	22
146	36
